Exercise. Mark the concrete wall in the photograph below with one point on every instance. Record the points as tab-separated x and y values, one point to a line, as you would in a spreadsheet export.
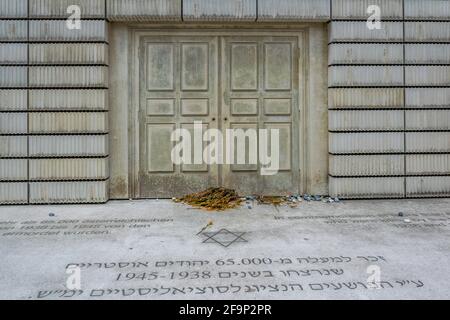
388	96
388	100
53	103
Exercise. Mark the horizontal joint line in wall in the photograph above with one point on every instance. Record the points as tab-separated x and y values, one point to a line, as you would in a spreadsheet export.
426	42
364	64
386	109
54	157
367	176
46	18
12	18
366	42
63	203
418	19
388	64
56	134
31	157
65	41
385	87
364	87
54	65
407	175
13	158
68	180
388	131
69	88
62	64
366	131
389	19
65	88
387	153
55	111
53	88
445	195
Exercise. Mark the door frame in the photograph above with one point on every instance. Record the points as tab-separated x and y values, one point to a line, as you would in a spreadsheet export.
138	32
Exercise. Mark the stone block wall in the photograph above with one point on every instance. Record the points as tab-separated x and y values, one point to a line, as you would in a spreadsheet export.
389	92
389	100
53	103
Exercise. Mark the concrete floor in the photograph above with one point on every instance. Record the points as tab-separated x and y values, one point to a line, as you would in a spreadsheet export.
153	250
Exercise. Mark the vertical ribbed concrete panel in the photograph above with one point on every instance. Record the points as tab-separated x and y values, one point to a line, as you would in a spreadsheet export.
294	10
367	143
13	53
367	165
364	188
354	53
219	10
68	53
70	77
352	98
13	123
69	169
357	9
69	146
428	120
365	76
366	120
69	99
13	77
59	8
13	30
428	187
357	31
144	10
13	9
13	169
427	53
422	76
425	142
366	100
65	122
13	146
13	100
56	30
13	193
69	192
427	97
427	10
426	31
427	164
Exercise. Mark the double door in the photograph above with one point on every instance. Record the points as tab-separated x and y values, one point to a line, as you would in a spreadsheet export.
228	82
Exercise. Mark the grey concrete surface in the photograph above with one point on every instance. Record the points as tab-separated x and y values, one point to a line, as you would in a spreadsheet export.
153	250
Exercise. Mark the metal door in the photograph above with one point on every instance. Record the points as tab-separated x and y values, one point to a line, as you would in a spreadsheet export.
249	82
178	86
260	91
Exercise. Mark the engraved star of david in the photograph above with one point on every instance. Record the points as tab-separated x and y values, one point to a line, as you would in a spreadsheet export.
223	237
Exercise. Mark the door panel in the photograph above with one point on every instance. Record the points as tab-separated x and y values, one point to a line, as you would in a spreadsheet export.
260	90
179	87
180	81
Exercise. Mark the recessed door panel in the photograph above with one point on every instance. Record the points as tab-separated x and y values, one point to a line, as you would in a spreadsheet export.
246	84
180	88
260	84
